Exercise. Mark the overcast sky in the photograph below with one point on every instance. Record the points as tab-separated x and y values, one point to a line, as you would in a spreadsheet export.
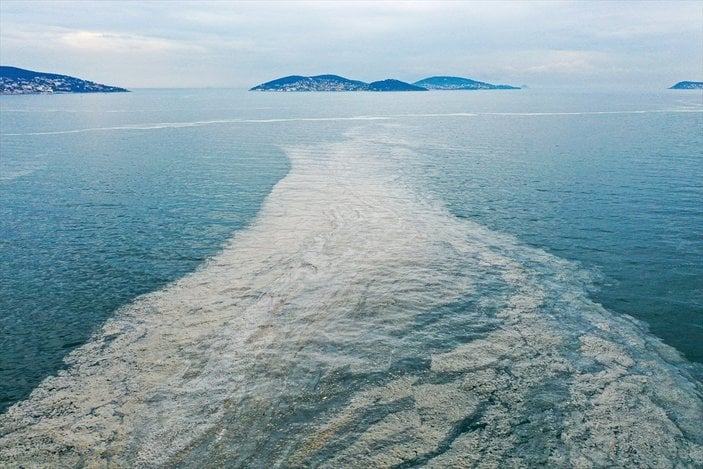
240	44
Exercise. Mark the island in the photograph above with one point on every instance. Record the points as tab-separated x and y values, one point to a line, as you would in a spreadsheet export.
15	80
338	83
459	83
688	85
332	83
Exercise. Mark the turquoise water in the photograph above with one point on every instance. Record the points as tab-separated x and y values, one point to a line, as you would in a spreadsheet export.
91	220
325	279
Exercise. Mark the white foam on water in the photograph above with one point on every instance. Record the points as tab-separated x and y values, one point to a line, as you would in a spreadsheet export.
179	125
12	174
307	342
597	113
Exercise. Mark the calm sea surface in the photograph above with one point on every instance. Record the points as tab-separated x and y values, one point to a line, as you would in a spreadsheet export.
300	279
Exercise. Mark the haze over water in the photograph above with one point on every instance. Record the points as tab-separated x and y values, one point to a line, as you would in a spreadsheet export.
443	278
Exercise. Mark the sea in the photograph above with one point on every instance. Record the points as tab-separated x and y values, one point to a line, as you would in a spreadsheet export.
225	278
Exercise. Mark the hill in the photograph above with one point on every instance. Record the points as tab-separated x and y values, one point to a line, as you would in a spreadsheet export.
15	80
393	85
315	83
459	83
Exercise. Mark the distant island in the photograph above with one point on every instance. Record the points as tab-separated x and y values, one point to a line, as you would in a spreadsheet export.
332	83
688	85
15	80
337	83
458	83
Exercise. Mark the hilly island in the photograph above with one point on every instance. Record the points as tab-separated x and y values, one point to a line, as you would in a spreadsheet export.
338	83
458	83
15	80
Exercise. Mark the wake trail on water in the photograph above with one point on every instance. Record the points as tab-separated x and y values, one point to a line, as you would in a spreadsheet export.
357	323
179	125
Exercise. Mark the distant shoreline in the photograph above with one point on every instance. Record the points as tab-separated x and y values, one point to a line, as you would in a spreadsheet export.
18	81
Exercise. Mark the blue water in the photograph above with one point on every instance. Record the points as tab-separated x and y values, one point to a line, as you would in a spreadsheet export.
297	279
621	193
92	220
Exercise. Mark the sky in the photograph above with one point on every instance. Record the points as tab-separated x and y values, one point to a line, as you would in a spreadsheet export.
144	44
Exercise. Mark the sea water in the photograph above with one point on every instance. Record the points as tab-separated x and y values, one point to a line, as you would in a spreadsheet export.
336	279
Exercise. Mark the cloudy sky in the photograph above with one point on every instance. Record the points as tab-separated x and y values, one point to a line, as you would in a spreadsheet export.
240	44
